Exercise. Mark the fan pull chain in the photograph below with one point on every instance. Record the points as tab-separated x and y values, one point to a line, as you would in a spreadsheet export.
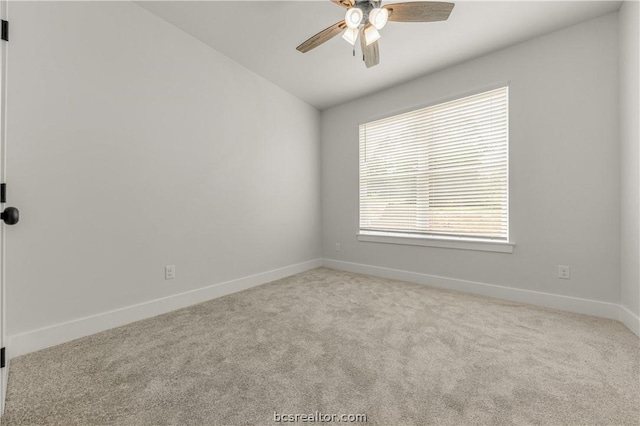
354	50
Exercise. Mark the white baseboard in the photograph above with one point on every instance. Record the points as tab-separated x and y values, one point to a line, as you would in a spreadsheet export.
631	320
42	338
548	300
34	340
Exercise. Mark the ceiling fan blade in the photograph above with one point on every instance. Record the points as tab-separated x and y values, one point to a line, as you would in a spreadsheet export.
370	53
322	36
344	3
419	11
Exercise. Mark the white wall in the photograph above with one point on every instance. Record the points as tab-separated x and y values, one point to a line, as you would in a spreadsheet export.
133	146
564	158
629	160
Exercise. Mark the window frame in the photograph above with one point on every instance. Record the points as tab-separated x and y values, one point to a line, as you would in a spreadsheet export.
444	241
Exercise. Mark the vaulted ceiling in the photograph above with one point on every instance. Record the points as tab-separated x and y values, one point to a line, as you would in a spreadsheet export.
263	35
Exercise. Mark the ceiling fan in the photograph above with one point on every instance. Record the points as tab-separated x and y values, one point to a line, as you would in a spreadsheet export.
365	17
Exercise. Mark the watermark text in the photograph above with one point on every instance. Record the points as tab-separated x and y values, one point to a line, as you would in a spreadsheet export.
318	417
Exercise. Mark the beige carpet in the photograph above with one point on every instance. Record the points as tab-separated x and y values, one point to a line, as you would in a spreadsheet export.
338	343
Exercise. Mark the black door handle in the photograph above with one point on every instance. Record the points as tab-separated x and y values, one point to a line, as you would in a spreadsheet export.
10	215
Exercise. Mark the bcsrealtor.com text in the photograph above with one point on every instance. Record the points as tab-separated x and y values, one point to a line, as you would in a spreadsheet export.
318	417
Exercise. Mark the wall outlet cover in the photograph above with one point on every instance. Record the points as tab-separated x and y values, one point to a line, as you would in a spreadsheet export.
564	272
169	272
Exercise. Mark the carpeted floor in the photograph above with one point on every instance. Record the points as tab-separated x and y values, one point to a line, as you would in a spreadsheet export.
338	343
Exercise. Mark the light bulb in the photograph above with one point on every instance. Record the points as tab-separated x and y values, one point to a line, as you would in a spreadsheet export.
350	35
353	17
378	17
371	34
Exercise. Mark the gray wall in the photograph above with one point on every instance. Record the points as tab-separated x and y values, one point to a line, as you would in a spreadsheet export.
564	166
629	157
133	146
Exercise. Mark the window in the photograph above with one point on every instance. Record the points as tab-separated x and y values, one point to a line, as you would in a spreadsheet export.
439	172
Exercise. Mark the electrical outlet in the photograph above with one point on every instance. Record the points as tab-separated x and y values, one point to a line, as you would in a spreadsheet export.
338	248
564	272
169	272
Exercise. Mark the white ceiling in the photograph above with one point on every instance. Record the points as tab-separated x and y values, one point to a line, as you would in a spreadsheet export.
268	33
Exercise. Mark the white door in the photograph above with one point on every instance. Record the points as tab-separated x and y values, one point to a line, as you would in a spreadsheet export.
4	46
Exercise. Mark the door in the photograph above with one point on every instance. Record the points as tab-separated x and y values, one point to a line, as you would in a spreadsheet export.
4	46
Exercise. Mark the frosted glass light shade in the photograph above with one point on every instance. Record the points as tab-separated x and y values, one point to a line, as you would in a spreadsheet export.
371	34
378	17
353	17
350	35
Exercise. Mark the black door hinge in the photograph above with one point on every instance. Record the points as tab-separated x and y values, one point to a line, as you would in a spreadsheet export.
3	192
5	30
2	358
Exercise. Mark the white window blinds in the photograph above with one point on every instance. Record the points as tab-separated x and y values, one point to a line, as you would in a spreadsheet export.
438	171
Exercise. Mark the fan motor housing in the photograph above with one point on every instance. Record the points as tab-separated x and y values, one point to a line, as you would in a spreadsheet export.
366	6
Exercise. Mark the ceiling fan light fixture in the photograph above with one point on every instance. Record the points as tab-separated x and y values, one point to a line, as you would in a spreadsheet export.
353	17
378	17
364	18
350	35
371	34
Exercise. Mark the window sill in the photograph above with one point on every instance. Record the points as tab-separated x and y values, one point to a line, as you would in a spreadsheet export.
450	242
